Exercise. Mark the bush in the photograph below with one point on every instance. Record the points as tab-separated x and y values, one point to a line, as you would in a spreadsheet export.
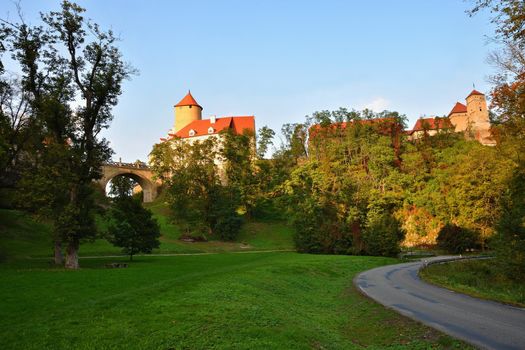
319	231
456	240
266	209
382	235
308	236
227	227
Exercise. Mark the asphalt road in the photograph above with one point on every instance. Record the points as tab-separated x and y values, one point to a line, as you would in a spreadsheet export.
484	324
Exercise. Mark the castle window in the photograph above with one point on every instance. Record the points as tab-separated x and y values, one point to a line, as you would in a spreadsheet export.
192	132
211	130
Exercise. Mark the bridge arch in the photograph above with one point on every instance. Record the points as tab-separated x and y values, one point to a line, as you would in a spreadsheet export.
140	173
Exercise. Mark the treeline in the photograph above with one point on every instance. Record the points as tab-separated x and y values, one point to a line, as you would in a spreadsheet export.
350	182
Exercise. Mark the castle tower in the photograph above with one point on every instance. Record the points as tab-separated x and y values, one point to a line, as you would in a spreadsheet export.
478	117
186	111
477	111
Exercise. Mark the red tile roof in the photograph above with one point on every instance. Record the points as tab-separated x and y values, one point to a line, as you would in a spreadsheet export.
201	127
475	92
188	100
431	124
458	108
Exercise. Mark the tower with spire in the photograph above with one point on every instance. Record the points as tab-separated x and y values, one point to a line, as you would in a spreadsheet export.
189	124
186	111
472	118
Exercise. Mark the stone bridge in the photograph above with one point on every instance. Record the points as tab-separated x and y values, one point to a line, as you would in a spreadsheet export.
137	171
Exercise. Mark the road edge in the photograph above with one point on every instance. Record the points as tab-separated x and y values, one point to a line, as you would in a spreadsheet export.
410	315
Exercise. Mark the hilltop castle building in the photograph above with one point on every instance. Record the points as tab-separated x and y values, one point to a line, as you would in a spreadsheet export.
190	125
471	119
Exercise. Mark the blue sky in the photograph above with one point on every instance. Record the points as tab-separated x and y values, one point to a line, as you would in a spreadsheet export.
282	60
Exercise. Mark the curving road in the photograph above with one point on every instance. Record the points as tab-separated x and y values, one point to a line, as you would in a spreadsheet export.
485	324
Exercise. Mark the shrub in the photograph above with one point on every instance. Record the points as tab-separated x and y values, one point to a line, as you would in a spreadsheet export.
382	234
319	231
307	237
455	239
227	227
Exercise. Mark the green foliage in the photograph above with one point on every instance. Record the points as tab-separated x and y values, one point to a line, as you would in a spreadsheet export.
382	234
456	239
64	58
122	186
132	227
352	169
240	172
508	102
201	204
22	236
264	140
464	185
227	227
510	238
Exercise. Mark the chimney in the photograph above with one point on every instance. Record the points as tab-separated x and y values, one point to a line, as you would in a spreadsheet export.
213	119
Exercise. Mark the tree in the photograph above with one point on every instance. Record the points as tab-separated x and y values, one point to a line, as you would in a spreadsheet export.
508	16
201	198
510	238
455	239
382	233
464	186
508	100
352	167
508	94
122	186
70	57
132	227
264	140
17	130
238	153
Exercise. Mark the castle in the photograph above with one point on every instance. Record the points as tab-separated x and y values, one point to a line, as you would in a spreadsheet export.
189	124
471	119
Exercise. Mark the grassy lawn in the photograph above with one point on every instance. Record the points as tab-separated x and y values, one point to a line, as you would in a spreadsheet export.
22	236
222	301
270	300
479	278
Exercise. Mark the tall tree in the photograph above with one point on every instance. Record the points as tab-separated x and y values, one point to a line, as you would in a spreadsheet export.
71	58
264	141
508	100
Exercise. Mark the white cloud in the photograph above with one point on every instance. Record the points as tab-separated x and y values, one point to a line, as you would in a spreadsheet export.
378	104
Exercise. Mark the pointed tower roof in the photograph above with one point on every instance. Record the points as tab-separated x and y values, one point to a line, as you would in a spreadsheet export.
188	100
475	92
458	108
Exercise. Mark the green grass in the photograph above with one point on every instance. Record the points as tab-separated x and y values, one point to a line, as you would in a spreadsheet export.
222	301
22	236
479	278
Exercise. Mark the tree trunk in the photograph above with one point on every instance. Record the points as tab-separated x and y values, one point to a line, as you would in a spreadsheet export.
59	257
72	255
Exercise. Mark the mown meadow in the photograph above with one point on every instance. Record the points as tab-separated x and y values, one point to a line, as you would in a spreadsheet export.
229	300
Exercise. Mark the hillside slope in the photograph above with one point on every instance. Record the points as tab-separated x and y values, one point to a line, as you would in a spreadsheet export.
22	236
